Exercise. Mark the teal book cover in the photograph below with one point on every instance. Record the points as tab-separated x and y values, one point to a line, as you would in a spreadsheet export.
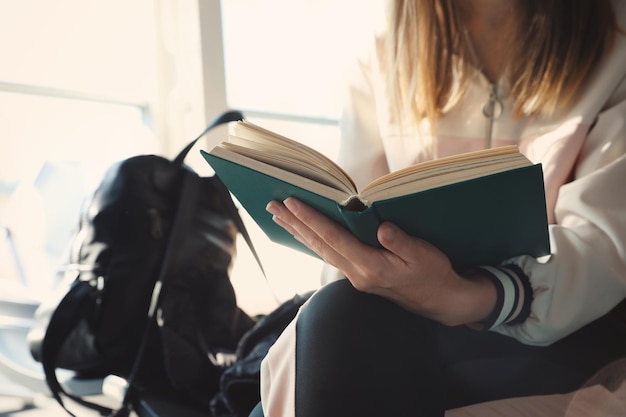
484	220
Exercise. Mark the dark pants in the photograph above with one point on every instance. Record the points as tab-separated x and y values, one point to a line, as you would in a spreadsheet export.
361	355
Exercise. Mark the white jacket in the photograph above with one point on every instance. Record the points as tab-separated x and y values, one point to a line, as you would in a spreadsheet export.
583	153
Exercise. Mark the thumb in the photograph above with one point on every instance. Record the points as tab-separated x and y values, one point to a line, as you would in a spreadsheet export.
406	247
396	241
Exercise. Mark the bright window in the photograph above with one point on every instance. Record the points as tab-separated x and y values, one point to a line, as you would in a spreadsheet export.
76	82
286	62
291	57
81	83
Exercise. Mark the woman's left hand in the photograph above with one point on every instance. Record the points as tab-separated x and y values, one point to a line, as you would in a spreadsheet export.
407	270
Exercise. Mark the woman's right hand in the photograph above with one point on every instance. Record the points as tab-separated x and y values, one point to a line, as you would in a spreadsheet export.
408	271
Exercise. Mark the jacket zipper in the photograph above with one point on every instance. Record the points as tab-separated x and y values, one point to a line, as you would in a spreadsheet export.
491	110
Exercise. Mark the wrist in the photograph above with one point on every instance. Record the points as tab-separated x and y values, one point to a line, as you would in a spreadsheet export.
513	294
471	301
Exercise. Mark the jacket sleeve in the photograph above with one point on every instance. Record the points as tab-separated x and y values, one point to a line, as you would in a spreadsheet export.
585	277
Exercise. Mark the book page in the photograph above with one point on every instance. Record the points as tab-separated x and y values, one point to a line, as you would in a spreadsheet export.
288	161
267	141
254	143
288	176
444	171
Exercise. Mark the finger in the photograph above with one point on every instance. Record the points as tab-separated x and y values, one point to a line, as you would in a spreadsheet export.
275	208
332	241
318	232
286	219
407	248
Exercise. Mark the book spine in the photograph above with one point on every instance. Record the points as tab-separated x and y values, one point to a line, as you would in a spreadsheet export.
363	224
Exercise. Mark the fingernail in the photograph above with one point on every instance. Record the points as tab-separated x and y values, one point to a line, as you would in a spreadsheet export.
292	204
389	232
273	208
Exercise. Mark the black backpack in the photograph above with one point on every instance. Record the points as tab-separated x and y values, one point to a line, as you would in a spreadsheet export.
240	383
150	298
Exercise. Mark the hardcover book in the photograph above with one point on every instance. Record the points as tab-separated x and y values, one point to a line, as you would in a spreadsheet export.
480	207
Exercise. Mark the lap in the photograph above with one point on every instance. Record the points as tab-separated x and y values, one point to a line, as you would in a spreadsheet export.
361	338
350	357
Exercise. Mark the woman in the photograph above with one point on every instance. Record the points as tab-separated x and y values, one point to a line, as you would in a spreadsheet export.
407	334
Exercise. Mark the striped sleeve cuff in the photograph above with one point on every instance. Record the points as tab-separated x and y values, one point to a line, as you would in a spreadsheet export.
514	295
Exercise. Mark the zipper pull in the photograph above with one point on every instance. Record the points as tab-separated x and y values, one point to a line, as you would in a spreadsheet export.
492	110
156	223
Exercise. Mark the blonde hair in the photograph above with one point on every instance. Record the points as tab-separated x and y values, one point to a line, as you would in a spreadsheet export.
561	42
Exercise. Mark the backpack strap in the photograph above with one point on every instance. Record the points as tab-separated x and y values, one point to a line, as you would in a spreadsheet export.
180	225
234	214
227	116
182	221
66	316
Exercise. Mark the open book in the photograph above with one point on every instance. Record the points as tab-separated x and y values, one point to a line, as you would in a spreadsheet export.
478	207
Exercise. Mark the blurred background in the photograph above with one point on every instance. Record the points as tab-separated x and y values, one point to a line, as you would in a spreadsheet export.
84	83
